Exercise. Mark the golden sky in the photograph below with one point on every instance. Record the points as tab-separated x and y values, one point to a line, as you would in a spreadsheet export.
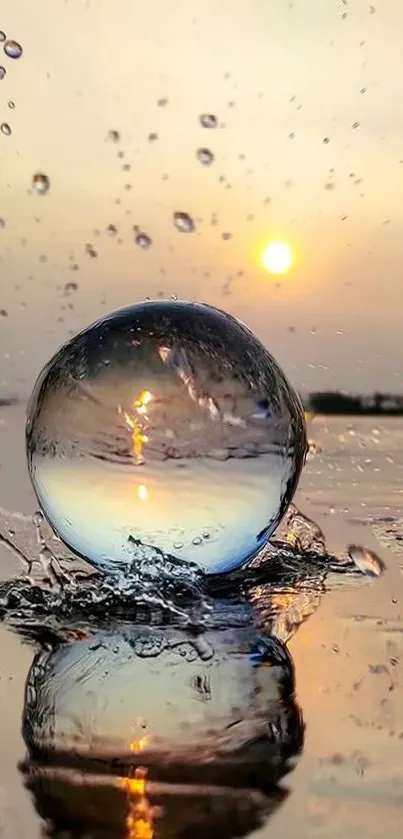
308	149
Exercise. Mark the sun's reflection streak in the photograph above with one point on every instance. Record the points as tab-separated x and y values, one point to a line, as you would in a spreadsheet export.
141	813
137	423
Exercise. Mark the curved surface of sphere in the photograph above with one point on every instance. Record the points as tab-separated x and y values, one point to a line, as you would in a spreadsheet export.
166	425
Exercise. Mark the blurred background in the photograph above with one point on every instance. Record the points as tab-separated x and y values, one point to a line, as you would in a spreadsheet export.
272	129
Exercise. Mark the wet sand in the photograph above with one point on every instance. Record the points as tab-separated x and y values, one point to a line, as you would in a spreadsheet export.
348	655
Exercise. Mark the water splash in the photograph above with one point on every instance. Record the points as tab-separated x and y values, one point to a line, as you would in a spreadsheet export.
58	594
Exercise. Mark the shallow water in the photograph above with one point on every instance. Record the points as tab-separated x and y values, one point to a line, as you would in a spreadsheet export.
346	654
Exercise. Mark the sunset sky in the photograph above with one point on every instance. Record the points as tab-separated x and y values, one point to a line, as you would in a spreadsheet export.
308	150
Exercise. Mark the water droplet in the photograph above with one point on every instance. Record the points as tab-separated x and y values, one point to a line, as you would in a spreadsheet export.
197	540
162	102
143	240
2	36
2	72
365	561
5	129
226	236
111	230
11	105
355	125
93	439
205	156
208	121
38	518
90	250
2	224
152	137
12	49
183	222
69	287
40	183
114	136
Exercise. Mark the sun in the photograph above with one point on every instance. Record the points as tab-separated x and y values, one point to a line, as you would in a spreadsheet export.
277	257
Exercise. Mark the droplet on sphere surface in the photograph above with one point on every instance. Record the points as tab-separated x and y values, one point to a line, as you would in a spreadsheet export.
184	222
40	183
208	120
205	156
12	49
5	129
147	429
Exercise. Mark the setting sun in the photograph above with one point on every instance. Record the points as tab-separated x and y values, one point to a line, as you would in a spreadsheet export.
277	258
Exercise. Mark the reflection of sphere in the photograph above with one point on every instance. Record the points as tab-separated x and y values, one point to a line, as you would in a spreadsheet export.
166	424
104	807
216	708
202	726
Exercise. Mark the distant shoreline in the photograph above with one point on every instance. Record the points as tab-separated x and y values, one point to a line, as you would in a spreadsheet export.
334	403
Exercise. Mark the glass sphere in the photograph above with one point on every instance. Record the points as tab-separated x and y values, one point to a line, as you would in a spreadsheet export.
165	425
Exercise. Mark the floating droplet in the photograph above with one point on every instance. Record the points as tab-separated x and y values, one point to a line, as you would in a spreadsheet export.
114	136
5	129
40	183
366	561
143	240
96	431
2	72
205	156
2	37
355	125
184	222
111	230
226	236
2	223
208	121
3	313
12	49
11	105
90	250
162	102
152	137
69	287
